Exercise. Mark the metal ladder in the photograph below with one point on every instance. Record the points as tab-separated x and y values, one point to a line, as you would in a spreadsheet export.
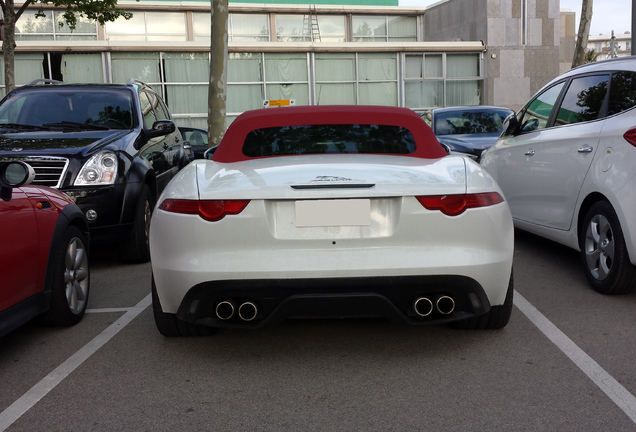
311	22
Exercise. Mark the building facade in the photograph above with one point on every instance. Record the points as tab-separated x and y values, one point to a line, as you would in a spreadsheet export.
458	52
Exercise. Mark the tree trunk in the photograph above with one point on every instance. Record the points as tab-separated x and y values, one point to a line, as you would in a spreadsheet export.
8	45
217	93
584	33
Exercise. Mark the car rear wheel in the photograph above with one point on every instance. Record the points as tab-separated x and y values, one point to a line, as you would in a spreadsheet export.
169	325
70	280
496	318
136	248
604	253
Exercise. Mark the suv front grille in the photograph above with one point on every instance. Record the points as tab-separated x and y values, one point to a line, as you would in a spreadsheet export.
49	170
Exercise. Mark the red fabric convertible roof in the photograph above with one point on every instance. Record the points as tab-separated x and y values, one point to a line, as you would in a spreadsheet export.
231	147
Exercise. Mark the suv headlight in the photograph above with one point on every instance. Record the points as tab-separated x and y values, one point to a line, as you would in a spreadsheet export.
100	169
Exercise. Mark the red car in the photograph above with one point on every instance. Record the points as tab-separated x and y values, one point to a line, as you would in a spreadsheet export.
43	251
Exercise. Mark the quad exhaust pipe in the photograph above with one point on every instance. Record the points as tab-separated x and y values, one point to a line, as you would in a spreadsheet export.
227	309
247	311
423	306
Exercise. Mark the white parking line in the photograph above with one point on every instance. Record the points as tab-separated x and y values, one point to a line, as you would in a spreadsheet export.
612	388
107	310
48	383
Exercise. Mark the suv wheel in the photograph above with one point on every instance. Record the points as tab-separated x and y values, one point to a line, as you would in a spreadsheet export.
604	253
136	248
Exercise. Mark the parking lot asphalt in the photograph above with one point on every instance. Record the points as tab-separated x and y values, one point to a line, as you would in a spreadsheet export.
563	363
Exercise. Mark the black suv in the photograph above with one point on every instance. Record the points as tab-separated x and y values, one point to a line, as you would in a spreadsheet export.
111	148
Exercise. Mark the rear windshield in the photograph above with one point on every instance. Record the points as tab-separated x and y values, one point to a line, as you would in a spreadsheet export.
326	139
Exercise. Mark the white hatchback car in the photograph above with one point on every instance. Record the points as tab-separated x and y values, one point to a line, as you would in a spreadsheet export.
566	162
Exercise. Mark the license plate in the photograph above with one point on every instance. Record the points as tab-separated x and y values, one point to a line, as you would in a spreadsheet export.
325	213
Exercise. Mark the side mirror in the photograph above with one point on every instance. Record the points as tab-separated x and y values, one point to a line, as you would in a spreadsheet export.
13	175
510	124
209	152
161	128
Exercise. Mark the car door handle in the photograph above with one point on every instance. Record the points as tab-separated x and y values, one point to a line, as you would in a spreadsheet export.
587	149
529	153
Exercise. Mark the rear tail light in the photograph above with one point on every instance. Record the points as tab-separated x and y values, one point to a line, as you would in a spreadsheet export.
210	210
454	205
630	136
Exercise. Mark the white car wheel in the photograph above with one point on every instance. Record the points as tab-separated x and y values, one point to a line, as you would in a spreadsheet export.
603	251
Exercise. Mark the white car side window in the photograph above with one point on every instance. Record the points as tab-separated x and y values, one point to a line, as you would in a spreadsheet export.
538	112
583	100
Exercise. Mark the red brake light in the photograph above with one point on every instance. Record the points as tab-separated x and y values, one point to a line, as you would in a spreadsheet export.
454	205
630	136
210	210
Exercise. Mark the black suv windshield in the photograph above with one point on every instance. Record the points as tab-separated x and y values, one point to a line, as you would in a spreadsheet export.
75	108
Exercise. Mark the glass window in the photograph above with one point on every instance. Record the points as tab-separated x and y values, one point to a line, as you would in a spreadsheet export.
28	67
381	68
82	68
469	122
166	26
463	92
622	92
335	78
138	65
335	67
122	29
287	77
85	29
324	139
150	26
146	108
111	109
424	94
369	28
462	65
186	77
583	100
537	113
332	28
30	27
292	28
249	27
402	28
244	67
202	26
377	67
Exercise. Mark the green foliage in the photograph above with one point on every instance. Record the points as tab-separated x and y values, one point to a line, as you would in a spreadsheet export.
591	56
102	11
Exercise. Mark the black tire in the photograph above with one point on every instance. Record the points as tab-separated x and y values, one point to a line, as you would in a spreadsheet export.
169	325
496	318
136	249
70	280
603	251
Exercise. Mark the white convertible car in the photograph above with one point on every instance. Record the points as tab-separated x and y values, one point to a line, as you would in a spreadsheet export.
334	212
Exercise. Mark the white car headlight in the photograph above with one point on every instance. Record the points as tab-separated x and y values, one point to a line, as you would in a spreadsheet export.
100	169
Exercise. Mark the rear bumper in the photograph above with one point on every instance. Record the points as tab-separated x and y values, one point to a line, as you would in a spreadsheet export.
278	299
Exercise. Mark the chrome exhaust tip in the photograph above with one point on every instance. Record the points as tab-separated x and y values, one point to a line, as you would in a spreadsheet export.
445	305
423	306
225	310
248	311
